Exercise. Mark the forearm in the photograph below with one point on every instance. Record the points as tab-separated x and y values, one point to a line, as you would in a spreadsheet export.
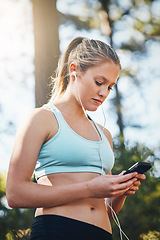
22	193
33	195
116	203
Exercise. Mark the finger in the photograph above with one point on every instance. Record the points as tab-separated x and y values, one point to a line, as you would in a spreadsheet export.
122	192
127	177
122	173
129	192
141	176
126	185
137	183
134	188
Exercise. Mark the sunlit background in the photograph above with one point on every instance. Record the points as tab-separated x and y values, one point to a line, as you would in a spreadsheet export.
17	72
135	35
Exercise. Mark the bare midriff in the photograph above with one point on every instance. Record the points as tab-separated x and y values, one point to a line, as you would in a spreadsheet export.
90	210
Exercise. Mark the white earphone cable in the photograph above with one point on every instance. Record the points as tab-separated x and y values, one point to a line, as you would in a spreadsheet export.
116	220
99	136
114	215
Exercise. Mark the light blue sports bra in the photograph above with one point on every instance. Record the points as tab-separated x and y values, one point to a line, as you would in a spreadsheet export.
69	152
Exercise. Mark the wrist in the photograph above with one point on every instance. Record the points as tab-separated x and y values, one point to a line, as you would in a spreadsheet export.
122	197
88	189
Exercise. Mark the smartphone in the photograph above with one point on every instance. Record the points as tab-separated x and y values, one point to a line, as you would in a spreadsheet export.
140	167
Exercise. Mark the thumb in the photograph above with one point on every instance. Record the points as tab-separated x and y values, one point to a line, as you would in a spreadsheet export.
120	174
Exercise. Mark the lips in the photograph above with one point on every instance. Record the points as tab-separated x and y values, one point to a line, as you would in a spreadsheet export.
97	101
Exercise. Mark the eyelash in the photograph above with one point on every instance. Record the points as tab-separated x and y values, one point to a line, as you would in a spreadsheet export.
99	84
109	88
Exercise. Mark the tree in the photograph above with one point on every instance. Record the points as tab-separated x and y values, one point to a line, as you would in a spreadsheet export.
46	46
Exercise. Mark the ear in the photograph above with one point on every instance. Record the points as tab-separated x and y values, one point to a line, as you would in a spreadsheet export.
72	68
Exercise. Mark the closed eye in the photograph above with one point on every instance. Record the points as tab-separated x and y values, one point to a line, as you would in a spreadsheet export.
109	88
98	83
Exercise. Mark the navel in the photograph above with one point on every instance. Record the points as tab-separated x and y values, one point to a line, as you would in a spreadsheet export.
92	209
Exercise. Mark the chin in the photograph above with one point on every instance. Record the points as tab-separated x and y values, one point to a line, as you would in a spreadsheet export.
92	109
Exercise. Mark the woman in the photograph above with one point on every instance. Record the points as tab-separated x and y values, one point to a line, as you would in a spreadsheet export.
71	154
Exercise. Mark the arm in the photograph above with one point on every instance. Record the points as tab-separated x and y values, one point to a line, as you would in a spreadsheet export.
23	193
20	191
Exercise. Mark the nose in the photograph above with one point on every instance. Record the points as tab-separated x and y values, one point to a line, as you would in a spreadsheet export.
103	92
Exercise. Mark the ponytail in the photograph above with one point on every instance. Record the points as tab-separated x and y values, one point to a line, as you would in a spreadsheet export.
61	81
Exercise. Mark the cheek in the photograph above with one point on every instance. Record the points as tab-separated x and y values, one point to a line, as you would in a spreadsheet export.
84	94
86	88
91	87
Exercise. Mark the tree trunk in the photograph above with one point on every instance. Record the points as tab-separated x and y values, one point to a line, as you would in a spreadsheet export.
46	23
117	101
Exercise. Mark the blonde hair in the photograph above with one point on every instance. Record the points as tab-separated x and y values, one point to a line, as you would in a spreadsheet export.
85	53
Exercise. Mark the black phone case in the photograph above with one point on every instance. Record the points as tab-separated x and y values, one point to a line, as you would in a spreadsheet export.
140	167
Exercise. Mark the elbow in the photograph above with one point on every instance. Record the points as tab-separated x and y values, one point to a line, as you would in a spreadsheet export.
13	198
11	203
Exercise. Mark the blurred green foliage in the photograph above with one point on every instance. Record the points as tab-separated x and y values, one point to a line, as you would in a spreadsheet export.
141	211
151	235
14	223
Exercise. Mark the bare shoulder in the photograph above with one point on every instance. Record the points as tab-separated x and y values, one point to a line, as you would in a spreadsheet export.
39	117
107	134
38	125
32	133
40	114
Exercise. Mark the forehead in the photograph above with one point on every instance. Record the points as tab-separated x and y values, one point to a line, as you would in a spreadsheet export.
108	70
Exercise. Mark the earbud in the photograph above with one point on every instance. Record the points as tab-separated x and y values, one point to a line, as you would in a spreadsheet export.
74	73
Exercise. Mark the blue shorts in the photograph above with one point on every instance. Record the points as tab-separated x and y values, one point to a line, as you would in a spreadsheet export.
55	227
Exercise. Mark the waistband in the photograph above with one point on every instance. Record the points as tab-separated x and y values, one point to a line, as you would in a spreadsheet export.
64	228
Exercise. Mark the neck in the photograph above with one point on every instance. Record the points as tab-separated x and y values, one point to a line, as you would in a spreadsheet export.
68	104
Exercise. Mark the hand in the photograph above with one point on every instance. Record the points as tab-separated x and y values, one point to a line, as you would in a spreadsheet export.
135	186
109	186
